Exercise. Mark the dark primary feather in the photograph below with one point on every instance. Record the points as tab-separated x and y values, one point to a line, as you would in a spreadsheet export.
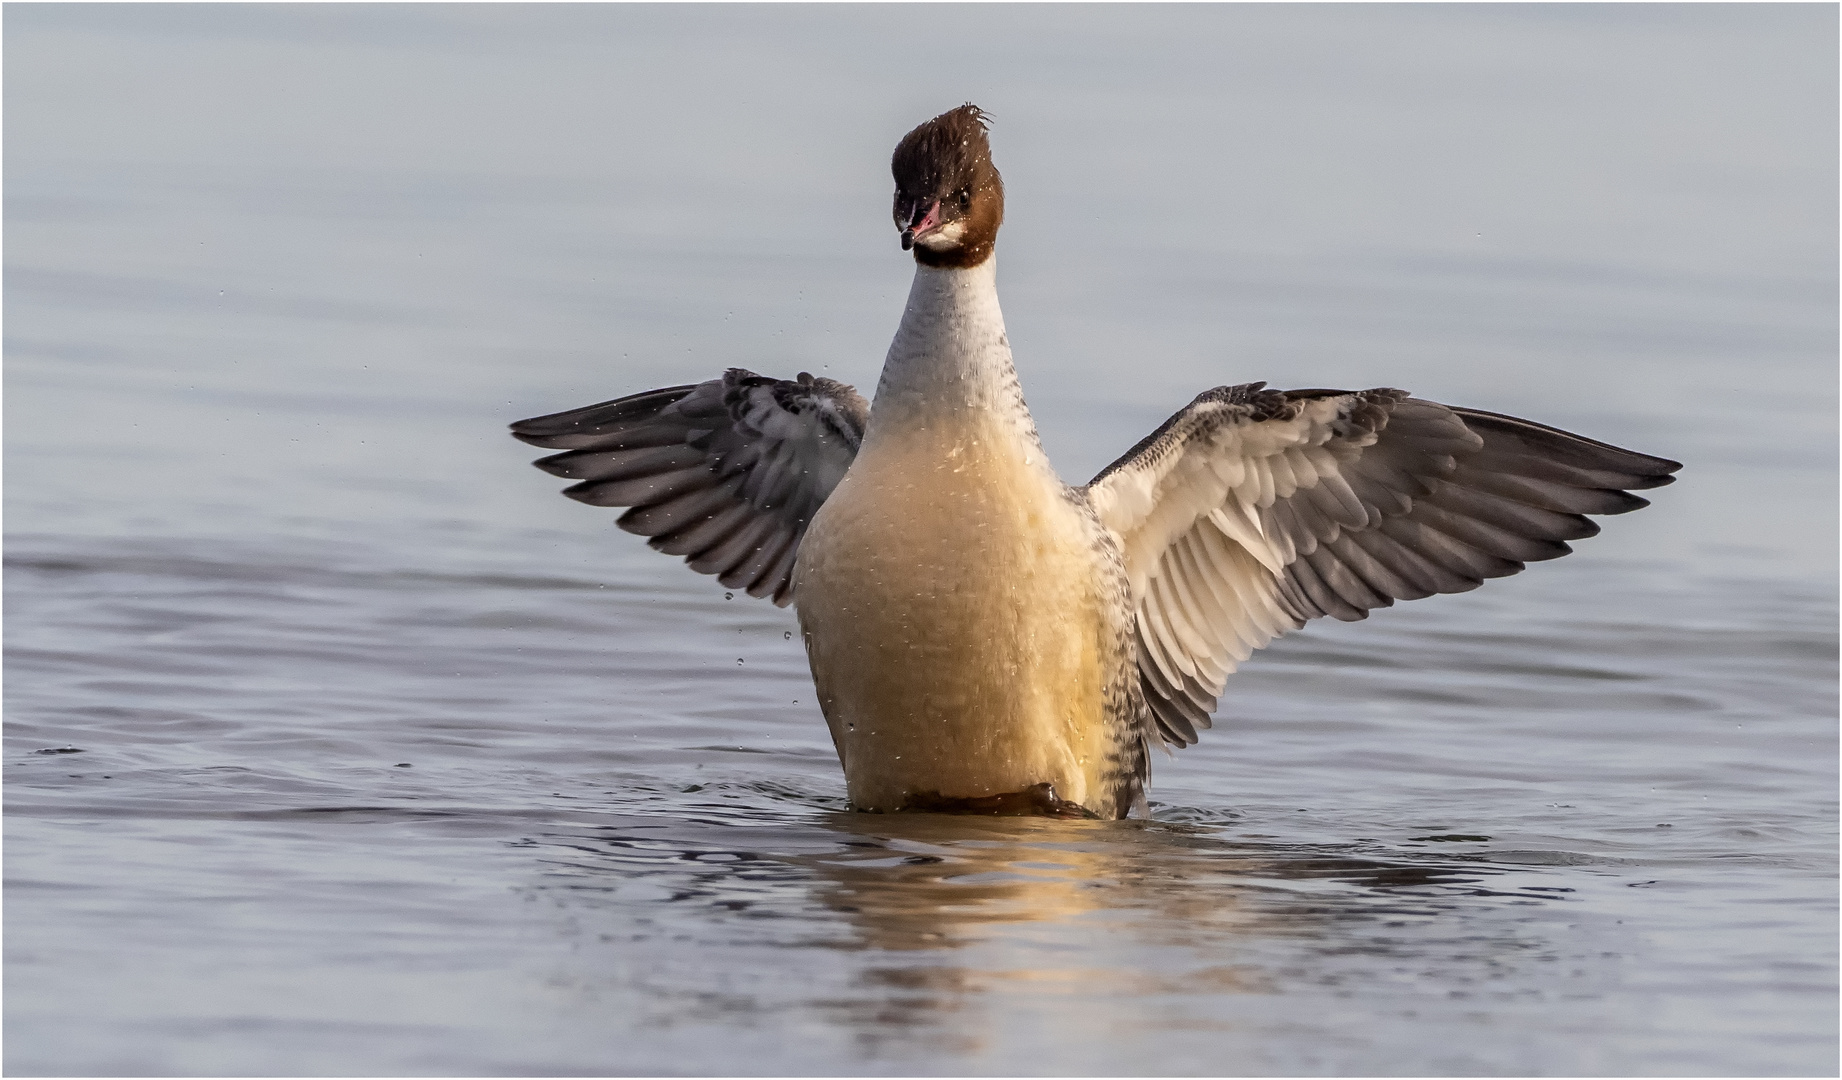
1460	515
726	473
1439	500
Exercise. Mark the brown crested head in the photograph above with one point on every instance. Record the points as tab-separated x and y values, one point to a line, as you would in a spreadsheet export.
949	199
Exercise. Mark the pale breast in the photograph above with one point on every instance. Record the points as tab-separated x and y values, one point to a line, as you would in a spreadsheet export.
959	631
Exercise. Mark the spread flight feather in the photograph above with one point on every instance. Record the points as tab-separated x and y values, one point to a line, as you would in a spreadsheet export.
1251	511
726	473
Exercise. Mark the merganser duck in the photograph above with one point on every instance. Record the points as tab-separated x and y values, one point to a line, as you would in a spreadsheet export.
985	638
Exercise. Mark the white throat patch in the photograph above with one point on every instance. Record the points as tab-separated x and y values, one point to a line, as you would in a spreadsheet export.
945	237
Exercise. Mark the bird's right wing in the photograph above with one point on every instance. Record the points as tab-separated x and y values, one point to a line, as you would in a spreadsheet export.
726	473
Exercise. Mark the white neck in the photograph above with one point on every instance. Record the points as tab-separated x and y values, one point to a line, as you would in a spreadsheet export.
950	358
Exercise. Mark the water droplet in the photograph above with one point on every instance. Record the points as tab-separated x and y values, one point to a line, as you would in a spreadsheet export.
788	636
729	596
738	660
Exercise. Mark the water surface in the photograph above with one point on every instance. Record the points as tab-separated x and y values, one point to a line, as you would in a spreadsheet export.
338	743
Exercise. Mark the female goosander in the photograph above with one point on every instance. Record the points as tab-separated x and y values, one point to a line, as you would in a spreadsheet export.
986	638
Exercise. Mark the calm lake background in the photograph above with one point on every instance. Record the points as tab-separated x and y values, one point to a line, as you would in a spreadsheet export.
338	743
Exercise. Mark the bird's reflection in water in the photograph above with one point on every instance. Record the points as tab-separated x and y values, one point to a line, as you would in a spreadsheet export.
915	927
927	881
920	881
955	910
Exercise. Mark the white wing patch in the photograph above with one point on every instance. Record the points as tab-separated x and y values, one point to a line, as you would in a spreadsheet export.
1227	467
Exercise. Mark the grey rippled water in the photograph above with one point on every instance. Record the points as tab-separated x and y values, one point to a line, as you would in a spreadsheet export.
336	743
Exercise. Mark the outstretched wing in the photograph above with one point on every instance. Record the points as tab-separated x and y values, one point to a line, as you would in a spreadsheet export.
1252	510
726	473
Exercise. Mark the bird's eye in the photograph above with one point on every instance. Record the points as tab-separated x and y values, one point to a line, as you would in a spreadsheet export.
965	199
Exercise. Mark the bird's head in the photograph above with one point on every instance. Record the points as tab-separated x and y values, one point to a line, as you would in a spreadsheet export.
949	200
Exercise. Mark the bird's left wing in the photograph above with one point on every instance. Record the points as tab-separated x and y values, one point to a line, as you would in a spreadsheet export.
1253	510
726	473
